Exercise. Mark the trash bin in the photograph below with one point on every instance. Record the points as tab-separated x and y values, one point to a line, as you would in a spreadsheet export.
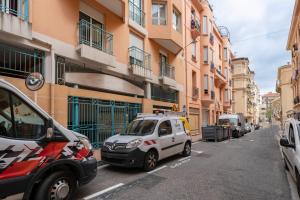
212	133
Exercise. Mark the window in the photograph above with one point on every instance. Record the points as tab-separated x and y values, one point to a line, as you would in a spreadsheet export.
211	55
178	126
159	14
136	11
205	54
165	128
194	79
137	57
212	86
205	25
194	49
225	54
206	82
226	95
226	73
18	120
141	127
291	135
176	19
220	52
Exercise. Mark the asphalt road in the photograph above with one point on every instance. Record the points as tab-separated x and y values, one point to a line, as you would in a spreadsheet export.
249	168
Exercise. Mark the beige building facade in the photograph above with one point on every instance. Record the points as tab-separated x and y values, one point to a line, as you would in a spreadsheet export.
245	90
284	87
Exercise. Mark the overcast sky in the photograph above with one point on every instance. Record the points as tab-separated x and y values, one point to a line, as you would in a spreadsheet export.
259	30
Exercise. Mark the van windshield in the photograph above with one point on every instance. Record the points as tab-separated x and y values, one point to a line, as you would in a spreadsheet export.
231	121
140	127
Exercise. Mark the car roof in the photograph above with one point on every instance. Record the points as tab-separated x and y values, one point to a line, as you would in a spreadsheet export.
158	117
228	116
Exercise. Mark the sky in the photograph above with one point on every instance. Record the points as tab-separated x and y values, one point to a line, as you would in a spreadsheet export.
259	30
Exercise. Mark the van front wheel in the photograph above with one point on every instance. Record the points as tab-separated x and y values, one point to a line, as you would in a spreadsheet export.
150	161
60	185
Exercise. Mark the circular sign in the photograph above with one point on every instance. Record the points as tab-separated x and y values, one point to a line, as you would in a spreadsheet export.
34	81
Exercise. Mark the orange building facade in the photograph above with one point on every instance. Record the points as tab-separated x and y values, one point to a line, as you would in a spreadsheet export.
105	61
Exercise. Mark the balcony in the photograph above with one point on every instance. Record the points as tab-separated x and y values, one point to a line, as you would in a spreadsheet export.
161	94
140	63
18	62
14	18
95	44
167	75
220	79
195	28
211	38
117	6
195	93
137	18
212	66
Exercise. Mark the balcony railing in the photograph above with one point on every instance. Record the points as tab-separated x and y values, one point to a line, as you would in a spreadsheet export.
195	28
195	92
18	62
140	61
167	70
136	13
94	36
220	73
18	8
212	94
211	39
161	94
212	66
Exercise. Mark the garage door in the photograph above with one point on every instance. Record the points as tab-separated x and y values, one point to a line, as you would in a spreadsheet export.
194	122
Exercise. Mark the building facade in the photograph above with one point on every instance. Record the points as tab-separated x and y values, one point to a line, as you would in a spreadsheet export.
245	90
293	46
105	62
267	100
285	88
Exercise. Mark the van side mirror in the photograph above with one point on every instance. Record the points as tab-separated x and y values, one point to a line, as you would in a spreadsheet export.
285	143
162	132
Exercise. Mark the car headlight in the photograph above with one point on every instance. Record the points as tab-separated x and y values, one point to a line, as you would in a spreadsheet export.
134	143
86	143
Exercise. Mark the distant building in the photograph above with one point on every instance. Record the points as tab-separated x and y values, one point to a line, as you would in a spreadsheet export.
285	88
245	91
266	107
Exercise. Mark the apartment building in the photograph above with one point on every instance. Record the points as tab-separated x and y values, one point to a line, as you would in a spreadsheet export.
245	90
267	100
285	88
216	56
293	46
103	61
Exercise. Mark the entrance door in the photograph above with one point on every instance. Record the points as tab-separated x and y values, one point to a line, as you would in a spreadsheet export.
194	122
205	118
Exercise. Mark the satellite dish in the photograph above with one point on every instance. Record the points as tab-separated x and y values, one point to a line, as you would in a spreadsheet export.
34	81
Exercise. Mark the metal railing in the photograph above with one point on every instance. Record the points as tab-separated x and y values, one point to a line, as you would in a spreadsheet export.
94	36
141	60
136	13
160	94
18	8
220	73
167	70
195	25
19	62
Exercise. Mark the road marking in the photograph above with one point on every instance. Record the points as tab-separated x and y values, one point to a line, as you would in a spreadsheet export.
251	140
198	152
155	170
180	163
103	191
195	142
102	166
184	158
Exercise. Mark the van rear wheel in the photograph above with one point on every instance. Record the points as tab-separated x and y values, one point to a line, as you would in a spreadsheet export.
60	185
187	149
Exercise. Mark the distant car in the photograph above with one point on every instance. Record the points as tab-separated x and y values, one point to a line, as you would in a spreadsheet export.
148	139
235	121
247	128
290	143
256	126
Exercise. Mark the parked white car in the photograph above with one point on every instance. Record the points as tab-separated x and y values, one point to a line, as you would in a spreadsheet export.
290	143
147	139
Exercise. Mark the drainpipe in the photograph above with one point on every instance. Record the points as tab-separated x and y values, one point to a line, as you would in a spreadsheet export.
185	59
52	84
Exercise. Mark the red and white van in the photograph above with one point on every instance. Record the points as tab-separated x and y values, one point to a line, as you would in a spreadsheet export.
39	157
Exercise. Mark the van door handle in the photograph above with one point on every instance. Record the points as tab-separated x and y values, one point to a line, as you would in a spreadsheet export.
173	139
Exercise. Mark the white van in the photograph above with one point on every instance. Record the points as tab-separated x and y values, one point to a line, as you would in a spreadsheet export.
236	123
147	139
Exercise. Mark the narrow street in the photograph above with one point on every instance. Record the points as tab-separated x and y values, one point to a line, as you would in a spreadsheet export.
249	168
